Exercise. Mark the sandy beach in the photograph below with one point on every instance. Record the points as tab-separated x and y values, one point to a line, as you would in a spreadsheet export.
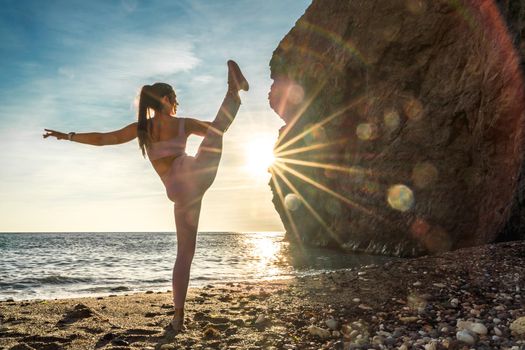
467	299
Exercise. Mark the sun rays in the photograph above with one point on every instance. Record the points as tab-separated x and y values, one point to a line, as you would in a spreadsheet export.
301	153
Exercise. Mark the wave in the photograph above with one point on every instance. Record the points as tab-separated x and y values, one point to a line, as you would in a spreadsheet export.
52	279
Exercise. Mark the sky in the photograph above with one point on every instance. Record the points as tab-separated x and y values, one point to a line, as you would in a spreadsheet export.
79	66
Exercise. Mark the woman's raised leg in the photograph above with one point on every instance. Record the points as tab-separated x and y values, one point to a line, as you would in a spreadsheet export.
210	151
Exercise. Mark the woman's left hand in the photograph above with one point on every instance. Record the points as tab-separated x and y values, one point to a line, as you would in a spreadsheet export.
59	135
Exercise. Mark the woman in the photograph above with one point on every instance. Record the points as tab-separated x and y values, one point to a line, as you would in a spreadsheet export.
186	178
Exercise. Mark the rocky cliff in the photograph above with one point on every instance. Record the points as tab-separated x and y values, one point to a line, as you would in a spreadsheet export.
404	124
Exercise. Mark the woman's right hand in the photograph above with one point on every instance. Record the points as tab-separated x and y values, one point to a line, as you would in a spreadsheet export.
59	135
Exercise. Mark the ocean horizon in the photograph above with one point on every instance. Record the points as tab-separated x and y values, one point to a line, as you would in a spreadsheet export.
50	265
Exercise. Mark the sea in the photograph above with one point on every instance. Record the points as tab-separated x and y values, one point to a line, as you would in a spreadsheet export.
67	265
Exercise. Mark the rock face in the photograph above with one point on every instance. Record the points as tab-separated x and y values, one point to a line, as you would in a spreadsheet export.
404	124
514	13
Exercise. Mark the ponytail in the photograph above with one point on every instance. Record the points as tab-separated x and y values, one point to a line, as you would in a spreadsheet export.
150	98
143	116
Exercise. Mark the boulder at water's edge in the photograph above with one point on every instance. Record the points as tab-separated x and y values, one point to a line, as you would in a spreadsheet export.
404	125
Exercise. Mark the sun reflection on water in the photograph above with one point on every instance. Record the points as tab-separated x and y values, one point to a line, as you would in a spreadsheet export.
265	253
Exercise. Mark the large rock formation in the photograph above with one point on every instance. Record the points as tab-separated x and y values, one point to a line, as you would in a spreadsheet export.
403	126
514	13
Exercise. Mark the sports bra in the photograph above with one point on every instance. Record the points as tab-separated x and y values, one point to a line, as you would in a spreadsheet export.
173	147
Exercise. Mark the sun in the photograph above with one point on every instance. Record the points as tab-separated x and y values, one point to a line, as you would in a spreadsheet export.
259	156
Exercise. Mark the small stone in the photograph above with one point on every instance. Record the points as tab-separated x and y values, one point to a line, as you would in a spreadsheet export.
454	302
517	327
408	319
378	340
496	321
260	320
332	324
497	331
364	307
439	285
431	346
320	332
356	300
478	328
417	284
466	337
402	347
211	332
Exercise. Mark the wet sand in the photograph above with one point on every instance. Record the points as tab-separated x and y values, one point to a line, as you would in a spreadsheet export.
470	298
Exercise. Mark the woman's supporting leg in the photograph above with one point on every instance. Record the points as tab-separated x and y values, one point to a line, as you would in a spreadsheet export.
186	221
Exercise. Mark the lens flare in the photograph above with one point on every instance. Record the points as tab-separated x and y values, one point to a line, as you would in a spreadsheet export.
292	202
400	197
365	131
413	109
391	119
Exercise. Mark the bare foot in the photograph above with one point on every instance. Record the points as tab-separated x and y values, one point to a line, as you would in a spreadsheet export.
236	81
177	323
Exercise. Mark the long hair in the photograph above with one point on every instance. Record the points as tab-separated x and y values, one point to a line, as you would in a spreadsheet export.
150	98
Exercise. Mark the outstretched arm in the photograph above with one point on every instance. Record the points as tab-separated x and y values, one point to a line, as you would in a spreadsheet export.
197	127
116	137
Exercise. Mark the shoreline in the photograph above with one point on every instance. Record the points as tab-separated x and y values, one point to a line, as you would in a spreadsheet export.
469	298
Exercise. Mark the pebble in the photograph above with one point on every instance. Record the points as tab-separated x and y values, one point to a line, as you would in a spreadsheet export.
479	328
497	331
517	327
211	332
474	327
465	337
332	324
417	284
431	346
454	302
260	320
364	307
356	300
320	332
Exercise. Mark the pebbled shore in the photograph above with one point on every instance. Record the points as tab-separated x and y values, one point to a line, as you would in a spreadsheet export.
467	299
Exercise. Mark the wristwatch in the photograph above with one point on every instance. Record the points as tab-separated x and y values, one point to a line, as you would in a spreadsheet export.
70	136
